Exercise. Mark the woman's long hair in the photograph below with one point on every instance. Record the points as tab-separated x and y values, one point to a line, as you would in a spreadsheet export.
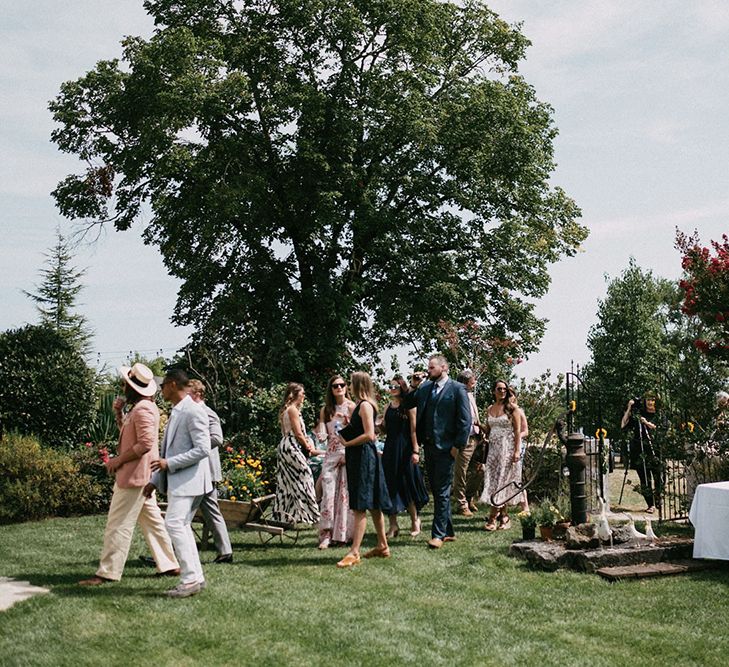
293	390
363	389
510	403
330	403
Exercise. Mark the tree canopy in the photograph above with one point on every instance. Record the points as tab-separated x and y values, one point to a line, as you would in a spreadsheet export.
326	177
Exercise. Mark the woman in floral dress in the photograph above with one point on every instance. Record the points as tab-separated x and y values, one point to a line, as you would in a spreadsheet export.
295	500
503	430
336	523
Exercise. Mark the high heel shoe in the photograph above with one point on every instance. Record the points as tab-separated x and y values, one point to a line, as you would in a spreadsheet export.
393	532
416	529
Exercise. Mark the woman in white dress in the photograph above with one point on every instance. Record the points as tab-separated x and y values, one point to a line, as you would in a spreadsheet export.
503	428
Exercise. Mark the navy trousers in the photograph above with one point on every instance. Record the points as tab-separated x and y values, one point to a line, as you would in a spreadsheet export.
439	464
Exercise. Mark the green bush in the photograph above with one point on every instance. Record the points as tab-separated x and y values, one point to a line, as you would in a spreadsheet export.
38	482
46	388
549	474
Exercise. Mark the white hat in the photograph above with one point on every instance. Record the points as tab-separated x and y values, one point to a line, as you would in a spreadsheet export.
140	378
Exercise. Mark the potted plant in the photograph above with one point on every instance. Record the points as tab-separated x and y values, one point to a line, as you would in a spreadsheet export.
528	525
546	516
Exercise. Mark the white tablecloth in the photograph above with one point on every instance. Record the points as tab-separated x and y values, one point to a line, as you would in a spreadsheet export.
710	516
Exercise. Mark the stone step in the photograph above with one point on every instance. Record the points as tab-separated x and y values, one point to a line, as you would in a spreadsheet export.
645	570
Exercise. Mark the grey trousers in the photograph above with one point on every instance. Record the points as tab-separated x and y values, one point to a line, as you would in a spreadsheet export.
215	523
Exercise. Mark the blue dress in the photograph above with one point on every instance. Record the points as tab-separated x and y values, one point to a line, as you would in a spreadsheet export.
365	477
404	478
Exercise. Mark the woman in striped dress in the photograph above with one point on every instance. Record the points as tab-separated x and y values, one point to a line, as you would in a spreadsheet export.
295	500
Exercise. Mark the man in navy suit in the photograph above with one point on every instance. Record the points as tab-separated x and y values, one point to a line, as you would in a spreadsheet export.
442	428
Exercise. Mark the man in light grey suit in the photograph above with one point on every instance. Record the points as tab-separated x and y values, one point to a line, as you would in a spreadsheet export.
183	473
209	506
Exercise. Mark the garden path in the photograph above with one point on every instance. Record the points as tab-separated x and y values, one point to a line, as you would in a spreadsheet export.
12	591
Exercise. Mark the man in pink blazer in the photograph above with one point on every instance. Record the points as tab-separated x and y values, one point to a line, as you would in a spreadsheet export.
138	438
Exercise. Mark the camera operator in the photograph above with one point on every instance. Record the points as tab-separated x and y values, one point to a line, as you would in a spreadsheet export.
643	458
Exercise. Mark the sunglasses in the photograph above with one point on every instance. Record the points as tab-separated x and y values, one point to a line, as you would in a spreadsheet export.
500	388
339	385
394	386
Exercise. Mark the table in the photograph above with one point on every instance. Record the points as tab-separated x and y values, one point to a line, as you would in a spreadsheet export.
710	516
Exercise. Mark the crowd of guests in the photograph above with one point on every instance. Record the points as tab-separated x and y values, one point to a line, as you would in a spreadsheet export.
432	417
467	460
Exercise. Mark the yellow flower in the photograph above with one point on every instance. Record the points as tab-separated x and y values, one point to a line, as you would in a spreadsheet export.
232	497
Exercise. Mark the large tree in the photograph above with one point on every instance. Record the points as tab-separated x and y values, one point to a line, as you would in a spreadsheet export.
327	177
629	349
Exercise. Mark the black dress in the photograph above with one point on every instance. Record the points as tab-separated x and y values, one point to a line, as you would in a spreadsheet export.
365	477
404	479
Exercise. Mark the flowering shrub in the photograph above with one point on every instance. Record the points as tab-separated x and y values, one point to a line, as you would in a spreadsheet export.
243	477
90	459
706	291
38	482
527	519
547	513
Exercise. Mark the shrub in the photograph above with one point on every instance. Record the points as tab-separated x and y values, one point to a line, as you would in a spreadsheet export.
46	388
38	482
549	474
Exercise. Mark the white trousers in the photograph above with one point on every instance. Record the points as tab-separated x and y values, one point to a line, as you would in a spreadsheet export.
129	507
180	511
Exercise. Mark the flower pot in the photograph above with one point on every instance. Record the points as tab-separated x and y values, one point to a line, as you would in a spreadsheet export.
546	533
528	532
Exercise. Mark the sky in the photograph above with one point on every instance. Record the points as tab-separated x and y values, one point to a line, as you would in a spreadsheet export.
640	92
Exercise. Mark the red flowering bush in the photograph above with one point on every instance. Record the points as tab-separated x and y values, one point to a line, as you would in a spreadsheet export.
705	286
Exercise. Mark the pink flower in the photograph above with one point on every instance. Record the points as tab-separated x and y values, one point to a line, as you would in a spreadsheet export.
88	444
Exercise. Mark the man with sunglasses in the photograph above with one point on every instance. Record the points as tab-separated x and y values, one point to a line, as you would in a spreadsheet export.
442	428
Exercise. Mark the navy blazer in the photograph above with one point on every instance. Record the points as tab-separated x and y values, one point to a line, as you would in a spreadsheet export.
452	419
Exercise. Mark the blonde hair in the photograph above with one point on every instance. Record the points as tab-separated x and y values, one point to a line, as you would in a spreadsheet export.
196	387
363	389
293	390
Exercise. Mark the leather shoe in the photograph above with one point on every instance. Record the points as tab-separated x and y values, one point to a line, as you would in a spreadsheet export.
378	552
174	572
449	538
227	558
348	561
435	543
94	581
464	511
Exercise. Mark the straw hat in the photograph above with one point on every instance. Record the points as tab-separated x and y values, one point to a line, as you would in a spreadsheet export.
140	378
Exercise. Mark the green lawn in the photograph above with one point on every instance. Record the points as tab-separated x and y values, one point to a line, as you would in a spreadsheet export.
467	604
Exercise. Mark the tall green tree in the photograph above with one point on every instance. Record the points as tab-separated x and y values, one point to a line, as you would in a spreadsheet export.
55	296
326	177
629	349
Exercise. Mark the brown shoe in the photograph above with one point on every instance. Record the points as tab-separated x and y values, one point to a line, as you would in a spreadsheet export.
435	543
174	572
349	560
464	511
378	552
473	506
449	538
94	581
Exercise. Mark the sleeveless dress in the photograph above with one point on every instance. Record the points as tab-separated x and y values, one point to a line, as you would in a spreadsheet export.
404	479
500	468
295	500
365	477
337	520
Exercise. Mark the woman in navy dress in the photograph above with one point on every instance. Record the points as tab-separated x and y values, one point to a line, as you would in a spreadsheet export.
365	477
401	459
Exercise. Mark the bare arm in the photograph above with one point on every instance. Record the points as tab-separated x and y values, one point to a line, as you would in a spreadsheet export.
516	425
301	438
626	414
367	413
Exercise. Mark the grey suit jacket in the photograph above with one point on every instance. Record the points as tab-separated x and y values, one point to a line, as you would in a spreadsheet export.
216	439
186	447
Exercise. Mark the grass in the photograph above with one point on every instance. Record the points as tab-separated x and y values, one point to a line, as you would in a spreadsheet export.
467	604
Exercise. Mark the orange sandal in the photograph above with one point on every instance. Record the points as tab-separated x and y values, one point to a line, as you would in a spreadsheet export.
349	560
378	552
490	525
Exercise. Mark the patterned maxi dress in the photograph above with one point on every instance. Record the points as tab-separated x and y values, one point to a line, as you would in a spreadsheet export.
295	500
500	468
337	520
